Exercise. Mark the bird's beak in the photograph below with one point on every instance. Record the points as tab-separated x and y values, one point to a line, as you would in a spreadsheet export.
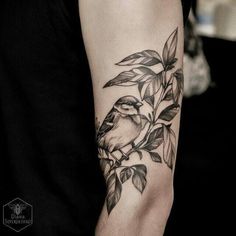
139	104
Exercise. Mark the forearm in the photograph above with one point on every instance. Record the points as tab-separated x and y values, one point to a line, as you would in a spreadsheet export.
135	55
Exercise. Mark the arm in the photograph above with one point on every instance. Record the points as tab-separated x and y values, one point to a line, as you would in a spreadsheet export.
135	52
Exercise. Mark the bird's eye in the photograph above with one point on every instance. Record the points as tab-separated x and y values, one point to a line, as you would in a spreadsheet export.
125	107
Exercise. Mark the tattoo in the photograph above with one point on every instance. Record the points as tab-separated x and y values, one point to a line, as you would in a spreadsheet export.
124	124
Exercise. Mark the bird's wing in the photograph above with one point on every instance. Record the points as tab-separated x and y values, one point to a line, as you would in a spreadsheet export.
107	124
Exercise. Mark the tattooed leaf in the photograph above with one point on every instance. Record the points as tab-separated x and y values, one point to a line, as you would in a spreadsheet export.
155	157
169	95
155	134
169	50
169	112
178	85
139	182
155	139
150	100
123	79
149	116
140	154
171	64
105	163
169	146
154	145
142	169
125	174
146	58
114	188
139	177
132	77
150	87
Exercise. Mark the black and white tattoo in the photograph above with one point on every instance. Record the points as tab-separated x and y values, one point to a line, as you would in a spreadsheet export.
148	136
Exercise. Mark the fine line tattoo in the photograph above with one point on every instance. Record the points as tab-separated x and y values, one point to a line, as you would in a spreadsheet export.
124	124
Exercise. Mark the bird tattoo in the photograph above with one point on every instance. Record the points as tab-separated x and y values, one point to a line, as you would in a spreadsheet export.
135	132
121	126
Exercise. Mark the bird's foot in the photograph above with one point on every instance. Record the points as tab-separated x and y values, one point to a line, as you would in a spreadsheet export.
124	155
117	163
133	144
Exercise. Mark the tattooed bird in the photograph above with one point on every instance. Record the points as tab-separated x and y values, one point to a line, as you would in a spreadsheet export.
121	126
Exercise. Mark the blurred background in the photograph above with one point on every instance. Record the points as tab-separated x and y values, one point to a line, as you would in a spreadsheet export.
204	176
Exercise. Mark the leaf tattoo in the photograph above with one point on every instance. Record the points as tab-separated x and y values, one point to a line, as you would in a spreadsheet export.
125	174
159	139
132	77
177	85
114	187
169	146
169	50
146	58
139	177
169	112
155	139
150	87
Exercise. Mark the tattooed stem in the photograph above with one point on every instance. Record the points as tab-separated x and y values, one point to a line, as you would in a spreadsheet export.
117	160
158	103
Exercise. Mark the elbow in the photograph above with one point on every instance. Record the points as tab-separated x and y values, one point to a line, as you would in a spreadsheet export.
154	211
159	196
146	216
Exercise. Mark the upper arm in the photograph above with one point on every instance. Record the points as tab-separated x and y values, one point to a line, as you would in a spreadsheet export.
135	49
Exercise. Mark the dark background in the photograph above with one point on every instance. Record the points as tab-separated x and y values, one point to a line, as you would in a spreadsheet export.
203	179
204	171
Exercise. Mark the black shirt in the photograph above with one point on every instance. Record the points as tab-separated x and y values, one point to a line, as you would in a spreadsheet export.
47	146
